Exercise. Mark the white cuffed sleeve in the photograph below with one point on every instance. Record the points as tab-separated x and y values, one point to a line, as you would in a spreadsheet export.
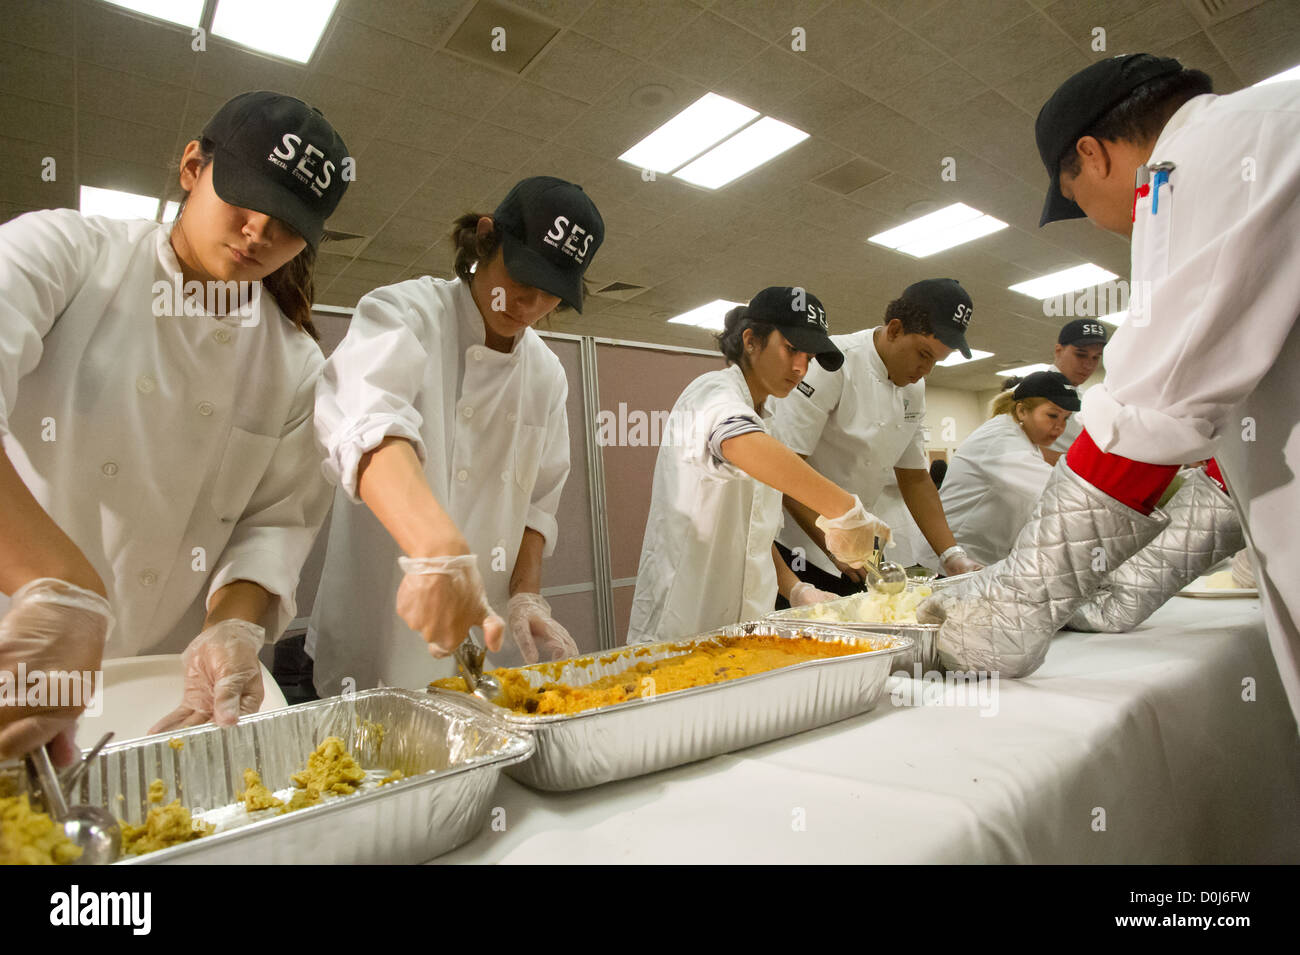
44	259
553	472
369	386
274	535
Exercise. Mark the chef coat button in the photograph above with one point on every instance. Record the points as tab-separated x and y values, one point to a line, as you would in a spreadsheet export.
145	385
109	468
222	336
467	412
148	578
205	408
505	475
512	417
462	476
477	353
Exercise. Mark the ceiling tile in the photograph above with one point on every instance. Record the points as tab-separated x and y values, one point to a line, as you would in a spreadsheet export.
563	12
43	26
402	240
771	19
888	67
119	139
457	85
578	67
1026	44
905	11
357	112
387	174
708	49
1198	53
24	185
130	44
499	148
893	194
113	172
1262	41
427	128
770	80
225	71
144	100
936	93
421	21
33	122
838	32
1170	20
636	28
536	111
35	74
368	57
823	106
1031	89
1078	20
947	28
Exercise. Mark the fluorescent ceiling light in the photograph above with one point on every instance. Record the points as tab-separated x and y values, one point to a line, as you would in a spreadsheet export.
748	149
1283	77
286	28
1025	370
117	205
1115	318
1067	280
708	120
706	316
185	12
949	226
957	358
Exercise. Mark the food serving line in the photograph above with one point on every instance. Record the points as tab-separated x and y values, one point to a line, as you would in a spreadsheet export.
1172	744
1134	748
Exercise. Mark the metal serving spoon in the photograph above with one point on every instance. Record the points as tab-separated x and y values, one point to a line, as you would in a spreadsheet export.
886	577
469	657
92	828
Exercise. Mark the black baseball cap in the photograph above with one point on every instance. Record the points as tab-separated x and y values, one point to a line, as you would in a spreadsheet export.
800	317
1083	331
279	156
1078	103
948	306
550	231
1053	386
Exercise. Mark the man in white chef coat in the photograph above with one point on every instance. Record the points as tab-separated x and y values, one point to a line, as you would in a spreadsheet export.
861	426
1205	365
1077	355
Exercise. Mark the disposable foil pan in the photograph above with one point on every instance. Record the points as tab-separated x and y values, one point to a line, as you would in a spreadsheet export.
924	635
575	751
451	756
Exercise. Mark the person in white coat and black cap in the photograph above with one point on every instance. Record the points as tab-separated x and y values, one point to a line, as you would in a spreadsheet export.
708	558
1077	357
156	395
1205	364
995	478
442	417
862	427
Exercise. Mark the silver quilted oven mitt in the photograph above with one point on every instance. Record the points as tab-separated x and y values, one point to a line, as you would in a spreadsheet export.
1203	530
1002	618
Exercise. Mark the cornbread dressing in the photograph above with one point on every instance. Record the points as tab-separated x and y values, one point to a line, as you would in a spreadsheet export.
30	837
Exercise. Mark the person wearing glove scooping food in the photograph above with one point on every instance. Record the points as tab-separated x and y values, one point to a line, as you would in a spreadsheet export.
708	558
443	419
158	467
861	427
1207	355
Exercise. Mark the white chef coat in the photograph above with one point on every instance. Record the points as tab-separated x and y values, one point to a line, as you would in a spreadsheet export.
994	480
706	558
493	435
1207	364
855	426
176	452
907	545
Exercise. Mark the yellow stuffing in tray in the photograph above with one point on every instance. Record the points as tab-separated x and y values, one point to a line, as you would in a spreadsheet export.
157	791
255	795
164	826
392	777
176	744
30	837
713	661
330	769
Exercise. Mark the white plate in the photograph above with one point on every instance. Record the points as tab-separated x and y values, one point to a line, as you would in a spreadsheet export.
1198	588
139	691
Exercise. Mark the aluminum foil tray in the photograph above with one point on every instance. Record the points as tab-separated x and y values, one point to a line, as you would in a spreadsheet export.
450	753
924	636
579	750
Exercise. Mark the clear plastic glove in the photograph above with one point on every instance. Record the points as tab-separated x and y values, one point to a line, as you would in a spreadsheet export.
804	594
223	677
440	598
1243	571
52	627
958	562
852	536
530	622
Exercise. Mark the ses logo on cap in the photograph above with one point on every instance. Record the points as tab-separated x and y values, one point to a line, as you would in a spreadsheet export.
962	315
1090	329
557	234
817	315
287	151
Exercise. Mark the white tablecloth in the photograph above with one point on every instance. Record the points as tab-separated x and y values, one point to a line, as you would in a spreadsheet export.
1146	734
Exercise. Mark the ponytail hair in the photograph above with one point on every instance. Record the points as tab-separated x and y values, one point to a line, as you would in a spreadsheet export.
1007	403
731	340
292	285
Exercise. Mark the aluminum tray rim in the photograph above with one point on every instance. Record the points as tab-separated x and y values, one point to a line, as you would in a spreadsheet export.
903	643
